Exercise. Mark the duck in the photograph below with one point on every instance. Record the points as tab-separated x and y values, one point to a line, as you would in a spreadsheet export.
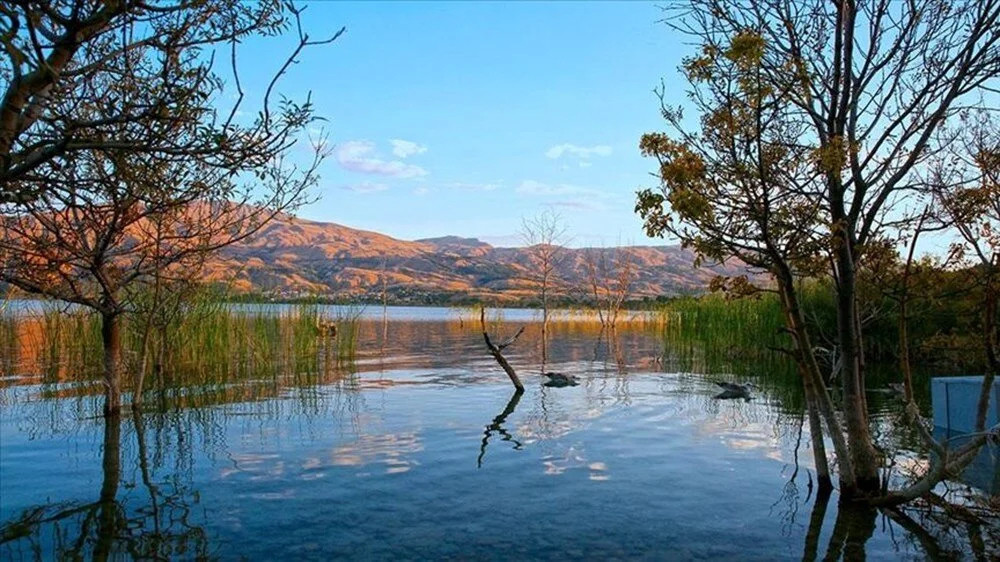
326	327
733	390
560	380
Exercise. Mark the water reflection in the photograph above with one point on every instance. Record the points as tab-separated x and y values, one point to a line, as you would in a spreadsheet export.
496	427
372	459
155	523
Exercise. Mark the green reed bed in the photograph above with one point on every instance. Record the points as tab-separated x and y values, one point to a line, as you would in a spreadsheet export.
215	344
203	346
714	335
741	338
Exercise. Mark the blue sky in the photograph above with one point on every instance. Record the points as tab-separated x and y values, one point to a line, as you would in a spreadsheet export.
503	109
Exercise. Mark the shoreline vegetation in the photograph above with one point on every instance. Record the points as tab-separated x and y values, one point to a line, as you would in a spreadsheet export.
720	328
830	141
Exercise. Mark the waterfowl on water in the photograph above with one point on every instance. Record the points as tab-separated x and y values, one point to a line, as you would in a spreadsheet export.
559	379
326	327
733	390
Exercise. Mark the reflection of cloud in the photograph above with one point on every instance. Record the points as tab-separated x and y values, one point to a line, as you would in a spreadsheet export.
555	466
743	435
357	156
598	471
255	466
572	459
388	449
578	151
542	430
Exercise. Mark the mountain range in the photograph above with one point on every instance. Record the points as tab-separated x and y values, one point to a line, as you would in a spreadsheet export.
293	257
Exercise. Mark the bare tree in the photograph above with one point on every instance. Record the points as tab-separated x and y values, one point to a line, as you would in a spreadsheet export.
610	274
86	222
544	235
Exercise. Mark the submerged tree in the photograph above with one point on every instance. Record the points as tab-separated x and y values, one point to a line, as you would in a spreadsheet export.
122	170
544	235
816	118
609	277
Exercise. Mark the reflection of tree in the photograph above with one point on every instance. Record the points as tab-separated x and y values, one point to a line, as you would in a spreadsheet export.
816	525
111	527
855	524
790	492
497	427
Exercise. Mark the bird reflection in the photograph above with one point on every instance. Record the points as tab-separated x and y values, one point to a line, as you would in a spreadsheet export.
497	427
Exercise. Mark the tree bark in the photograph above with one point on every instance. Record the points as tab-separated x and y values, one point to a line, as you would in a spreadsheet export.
824	481
864	458
990	337
111	337
496	351
545	321
813	382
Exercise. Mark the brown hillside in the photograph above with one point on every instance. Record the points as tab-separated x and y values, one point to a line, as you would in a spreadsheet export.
295	257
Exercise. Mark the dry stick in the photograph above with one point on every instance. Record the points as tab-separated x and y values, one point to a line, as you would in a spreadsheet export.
495	351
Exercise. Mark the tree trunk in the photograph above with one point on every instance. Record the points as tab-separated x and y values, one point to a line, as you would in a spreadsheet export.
821	404
111	337
991	335
143	364
816	433
864	458
497	349
545	321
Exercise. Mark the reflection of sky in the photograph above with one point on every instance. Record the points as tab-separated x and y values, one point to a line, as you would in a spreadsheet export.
392	459
393	451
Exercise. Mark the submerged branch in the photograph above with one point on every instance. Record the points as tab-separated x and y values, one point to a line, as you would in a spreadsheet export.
495	350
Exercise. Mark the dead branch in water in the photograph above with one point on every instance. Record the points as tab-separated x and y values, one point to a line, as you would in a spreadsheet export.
495	351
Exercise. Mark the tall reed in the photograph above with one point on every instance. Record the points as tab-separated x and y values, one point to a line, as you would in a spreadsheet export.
204	346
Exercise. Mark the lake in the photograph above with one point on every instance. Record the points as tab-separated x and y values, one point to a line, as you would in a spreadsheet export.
416	447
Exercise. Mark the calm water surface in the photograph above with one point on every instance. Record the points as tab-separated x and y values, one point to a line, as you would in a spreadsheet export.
418	449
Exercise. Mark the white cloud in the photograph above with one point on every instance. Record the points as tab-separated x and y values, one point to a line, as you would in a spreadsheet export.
584	205
357	156
532	187
405	148
366	187
583	152
421	191
463	186
584	164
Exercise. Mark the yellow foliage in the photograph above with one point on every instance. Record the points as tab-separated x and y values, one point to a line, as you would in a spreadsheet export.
746	49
